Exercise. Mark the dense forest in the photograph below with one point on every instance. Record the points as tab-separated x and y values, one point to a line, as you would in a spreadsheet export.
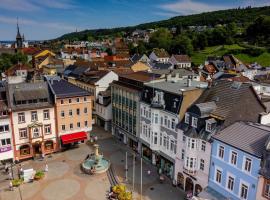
241	16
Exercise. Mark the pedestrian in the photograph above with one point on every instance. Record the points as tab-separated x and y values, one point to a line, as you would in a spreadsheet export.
149	172
10	186
6	168
20	171
96	138
10	175
46	168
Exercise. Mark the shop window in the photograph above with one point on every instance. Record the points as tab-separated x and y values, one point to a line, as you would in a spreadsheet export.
24	150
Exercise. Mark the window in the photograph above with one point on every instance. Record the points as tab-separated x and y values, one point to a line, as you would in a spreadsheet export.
193	143
230	183
173	123
47	129
5	142
161	120
247	165
187	118
244	191
78	100
85	98
202	165
21	117
165	120
78	124
34	116
169	124
62	101
71	126
63	127
85	110
78	111
62	113
70	113
267	190
184	138
46	114
156	118
35	132
233	157
218	176
23	133
203	147
85	123
208	126
155	138
69	101
183	154
221	152
4	128
194	122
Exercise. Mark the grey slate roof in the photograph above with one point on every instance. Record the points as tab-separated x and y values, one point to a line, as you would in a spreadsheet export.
63	89
28	91
246	136
227	94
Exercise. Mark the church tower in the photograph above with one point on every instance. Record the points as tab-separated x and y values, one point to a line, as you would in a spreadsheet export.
19	39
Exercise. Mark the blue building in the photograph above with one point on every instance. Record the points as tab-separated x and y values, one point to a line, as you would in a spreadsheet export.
235	160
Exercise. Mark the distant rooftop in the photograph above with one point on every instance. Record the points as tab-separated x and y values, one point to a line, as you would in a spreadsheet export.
177	87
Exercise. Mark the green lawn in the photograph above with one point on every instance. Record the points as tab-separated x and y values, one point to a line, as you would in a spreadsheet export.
200	56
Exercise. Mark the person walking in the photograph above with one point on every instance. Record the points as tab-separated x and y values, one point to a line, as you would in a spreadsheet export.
10	186
46	168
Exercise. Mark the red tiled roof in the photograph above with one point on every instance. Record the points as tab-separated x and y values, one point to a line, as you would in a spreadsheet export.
30	50
182	58
210	68
11	71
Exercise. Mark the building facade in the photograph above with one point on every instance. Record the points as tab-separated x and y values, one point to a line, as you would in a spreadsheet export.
32	120
235	165
162	106
73	108
220	105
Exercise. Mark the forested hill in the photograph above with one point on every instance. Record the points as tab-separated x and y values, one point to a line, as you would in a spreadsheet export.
241	16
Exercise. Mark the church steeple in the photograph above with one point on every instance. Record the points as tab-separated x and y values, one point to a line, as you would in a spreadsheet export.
19	40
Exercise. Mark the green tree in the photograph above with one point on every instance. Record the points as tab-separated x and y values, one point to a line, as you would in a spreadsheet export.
7	60
182	45
162	39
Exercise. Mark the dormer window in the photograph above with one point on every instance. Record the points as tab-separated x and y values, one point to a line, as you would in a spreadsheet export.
187	118
194	122
209	124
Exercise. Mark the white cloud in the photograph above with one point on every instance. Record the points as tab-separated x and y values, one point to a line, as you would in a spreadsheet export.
186	7
34	5
37	24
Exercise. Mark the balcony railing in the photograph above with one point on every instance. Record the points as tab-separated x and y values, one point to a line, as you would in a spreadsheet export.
190	171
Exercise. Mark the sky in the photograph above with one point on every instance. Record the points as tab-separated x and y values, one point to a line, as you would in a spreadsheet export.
48	19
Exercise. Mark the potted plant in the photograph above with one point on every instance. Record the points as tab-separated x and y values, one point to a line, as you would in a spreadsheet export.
39	175
17	182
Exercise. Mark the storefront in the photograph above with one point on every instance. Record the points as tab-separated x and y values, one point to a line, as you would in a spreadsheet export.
165	166
133	144
73	138
146	153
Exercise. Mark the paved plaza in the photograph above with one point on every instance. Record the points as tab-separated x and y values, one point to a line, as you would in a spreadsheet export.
65	181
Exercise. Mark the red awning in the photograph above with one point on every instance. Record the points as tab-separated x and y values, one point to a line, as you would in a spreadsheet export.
74	137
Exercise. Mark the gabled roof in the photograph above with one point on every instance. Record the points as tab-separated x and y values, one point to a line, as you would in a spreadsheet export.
231	96
246	136
161	53
12	70
182	58
93	76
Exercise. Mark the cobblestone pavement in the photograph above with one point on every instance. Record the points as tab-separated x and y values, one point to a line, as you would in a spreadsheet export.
65	181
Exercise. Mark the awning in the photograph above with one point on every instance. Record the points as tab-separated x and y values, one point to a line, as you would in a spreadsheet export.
74	137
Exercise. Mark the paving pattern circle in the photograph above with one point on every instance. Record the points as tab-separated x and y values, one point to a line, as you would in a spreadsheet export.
97	188
78	154
61	189
56	170
28	190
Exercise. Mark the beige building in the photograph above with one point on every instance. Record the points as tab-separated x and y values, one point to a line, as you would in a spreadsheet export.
32	120
73	108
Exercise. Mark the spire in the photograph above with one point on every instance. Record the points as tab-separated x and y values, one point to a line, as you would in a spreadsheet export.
18	30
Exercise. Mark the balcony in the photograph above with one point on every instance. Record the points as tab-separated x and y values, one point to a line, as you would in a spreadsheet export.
192	172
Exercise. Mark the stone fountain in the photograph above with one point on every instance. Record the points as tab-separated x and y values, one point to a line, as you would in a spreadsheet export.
95	163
